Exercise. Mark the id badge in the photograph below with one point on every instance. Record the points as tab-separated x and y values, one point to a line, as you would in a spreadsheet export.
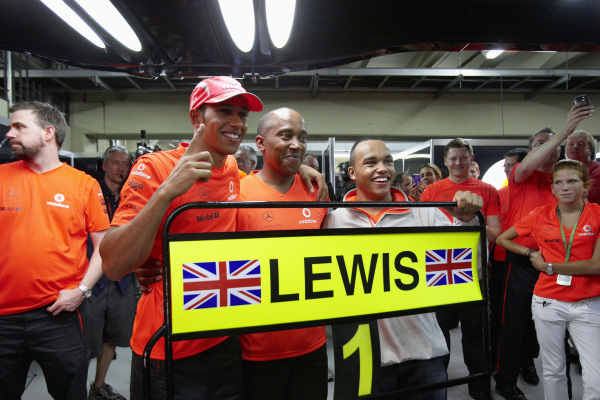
564	280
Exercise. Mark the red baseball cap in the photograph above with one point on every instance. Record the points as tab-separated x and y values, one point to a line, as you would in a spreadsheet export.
219	89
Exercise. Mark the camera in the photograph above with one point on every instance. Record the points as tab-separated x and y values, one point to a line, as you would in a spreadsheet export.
581	99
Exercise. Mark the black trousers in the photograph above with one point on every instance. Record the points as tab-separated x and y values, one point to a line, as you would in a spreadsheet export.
498	274
57	343
471	325
214	374
518	344
295	378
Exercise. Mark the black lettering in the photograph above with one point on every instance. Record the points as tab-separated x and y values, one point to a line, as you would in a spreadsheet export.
386	272
349	283
406	270
275	296
310	277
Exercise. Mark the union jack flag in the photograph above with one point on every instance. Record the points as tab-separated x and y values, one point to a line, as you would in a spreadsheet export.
221	284
448	267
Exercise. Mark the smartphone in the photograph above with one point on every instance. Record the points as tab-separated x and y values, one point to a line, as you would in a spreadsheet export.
416	178
581	99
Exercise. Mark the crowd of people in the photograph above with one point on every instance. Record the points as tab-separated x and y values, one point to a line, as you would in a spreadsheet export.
63	309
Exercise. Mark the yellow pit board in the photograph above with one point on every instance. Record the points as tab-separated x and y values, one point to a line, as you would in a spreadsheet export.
252	282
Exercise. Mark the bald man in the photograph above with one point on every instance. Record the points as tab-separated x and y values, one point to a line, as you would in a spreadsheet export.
289	364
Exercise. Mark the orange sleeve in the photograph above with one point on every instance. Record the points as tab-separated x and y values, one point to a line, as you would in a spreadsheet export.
97	217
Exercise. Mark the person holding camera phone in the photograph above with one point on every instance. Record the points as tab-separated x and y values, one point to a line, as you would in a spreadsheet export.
581	147
530	184
429	173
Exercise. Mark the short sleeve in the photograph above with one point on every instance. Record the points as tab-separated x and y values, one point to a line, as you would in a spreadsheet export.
97	216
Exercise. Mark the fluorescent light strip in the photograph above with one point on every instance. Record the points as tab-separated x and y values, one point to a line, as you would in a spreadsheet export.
491	54
239	20
280	19
109	18
71	18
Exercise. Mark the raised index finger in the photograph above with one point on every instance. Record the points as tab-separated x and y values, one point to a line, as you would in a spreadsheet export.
194	145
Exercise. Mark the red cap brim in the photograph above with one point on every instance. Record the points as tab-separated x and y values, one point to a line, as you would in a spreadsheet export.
254	103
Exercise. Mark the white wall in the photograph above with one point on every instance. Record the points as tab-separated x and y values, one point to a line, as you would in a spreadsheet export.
395	116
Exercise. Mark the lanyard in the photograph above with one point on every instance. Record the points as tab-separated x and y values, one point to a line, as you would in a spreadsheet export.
562	232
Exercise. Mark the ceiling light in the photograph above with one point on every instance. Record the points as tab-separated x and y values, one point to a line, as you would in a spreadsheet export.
239	19
71	18
280	19
109	18
491	54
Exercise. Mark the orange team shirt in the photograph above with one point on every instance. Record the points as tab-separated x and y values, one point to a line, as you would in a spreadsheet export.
45	221
146	175
503	194
445	189
542	225
296	342
525	196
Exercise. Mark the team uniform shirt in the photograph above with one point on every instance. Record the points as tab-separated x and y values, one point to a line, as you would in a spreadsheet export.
411	337
295	342
146	175
594	178
445	189
45	221
503	194
542	224
527	195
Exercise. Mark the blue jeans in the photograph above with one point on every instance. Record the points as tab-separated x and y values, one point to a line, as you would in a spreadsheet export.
412	374
56	343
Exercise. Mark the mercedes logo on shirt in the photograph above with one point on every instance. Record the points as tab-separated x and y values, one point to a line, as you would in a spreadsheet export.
268	216
203	193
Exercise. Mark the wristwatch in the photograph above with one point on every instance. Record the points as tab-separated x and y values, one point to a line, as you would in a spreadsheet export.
86	292
549	270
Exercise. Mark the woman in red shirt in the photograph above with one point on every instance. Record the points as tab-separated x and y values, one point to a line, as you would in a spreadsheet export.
567	293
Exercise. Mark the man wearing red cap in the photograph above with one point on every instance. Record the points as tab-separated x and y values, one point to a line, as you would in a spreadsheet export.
159	183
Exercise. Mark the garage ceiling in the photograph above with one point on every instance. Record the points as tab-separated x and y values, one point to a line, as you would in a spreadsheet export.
407	46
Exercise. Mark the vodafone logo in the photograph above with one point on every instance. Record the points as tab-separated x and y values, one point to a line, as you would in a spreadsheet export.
58	199
233	195
306	213
587	228
139	172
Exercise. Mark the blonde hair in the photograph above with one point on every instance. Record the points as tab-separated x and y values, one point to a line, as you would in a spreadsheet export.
434	167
